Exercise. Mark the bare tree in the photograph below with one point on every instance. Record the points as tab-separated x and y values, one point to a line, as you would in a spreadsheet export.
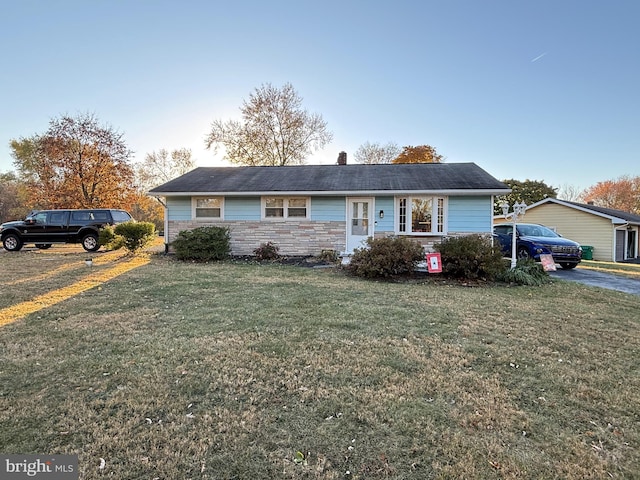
571	193
275	130
375	153
162	166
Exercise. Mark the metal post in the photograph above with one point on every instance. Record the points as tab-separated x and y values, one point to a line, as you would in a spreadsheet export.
514	240
518	212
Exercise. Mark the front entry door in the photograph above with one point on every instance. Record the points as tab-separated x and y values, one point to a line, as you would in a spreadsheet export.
631	244
359	222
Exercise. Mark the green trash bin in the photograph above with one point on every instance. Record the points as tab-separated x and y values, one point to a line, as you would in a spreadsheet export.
587	252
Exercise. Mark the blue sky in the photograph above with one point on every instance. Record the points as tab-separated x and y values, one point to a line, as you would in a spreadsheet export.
543	90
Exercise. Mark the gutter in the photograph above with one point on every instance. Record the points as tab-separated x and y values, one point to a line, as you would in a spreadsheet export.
460	192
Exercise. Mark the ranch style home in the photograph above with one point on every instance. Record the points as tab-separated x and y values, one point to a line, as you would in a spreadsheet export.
306	209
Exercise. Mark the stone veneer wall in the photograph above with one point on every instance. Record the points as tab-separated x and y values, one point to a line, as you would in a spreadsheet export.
292	237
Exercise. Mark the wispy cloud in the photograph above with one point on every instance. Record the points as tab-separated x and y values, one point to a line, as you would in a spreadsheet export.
538	57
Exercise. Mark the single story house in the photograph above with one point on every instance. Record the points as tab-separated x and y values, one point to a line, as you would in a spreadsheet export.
306	209
613	234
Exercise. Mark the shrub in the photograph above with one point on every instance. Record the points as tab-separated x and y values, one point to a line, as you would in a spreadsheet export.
386	257
329	256
203	244
526	272
471	257
109	240
267	251
135	235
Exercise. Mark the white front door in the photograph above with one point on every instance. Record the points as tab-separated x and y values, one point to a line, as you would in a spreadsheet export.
359	222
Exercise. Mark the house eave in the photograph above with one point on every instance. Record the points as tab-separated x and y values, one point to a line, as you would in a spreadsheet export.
614	219
352	193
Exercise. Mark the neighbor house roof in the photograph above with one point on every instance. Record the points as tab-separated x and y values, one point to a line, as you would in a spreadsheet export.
442	178
616	216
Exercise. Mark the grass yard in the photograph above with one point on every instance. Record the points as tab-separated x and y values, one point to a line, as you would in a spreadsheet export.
631	270
237	371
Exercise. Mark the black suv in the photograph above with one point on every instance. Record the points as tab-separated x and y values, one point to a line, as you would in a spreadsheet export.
46	227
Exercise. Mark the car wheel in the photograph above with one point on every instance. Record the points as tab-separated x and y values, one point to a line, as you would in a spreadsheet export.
12	242
90	242
523	252
568	266
43	246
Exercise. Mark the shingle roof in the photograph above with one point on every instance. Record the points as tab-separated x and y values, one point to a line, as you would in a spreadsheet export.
629	217
617	216
425	177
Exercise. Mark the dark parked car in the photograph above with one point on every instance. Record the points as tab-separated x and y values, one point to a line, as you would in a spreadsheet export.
532	240
46	227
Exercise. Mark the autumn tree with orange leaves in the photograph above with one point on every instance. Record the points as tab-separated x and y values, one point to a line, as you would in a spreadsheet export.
76	163
621	194
419	154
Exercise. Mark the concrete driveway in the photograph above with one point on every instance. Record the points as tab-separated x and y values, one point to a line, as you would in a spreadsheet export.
599	279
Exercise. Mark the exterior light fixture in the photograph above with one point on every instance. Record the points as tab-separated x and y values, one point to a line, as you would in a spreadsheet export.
381	214
505	207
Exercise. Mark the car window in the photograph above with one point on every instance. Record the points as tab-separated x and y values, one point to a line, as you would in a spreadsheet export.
546	232
536	231
56	218
40	217
81	216
120	216
100	216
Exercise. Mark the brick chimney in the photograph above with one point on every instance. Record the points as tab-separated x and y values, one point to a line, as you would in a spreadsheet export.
342	158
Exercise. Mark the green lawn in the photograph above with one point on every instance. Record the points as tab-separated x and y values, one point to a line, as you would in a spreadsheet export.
236	371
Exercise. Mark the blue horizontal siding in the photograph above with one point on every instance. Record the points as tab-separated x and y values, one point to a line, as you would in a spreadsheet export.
386	204
328	209
464	214
179	208
242	208
470	214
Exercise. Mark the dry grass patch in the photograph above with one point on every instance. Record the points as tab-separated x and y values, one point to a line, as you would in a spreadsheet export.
32	272
631	270
256	372
95	278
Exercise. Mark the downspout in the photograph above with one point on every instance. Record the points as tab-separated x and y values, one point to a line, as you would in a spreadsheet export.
166	225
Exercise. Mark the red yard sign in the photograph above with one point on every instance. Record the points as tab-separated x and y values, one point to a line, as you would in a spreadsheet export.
434	263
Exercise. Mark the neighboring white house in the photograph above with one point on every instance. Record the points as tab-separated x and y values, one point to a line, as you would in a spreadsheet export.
613	234
309	208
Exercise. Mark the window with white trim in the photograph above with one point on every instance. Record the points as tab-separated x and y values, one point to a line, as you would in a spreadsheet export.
420	215
207	207
285	207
